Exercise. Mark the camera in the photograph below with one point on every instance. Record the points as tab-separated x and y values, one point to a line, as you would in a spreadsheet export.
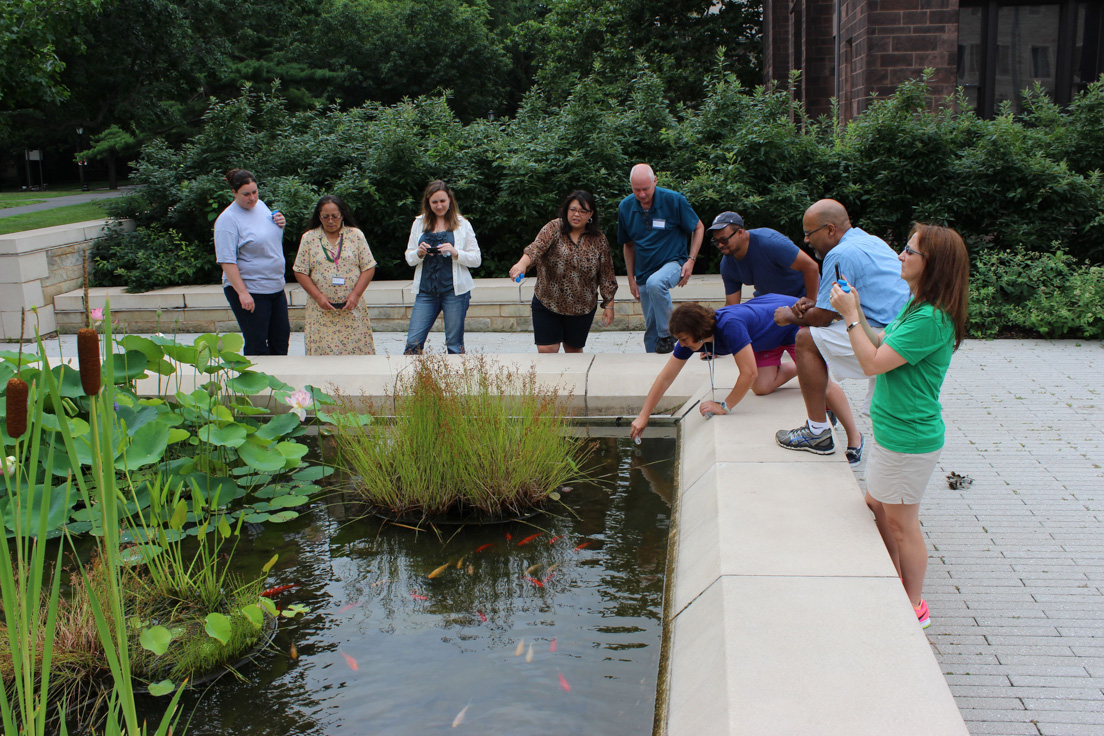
432	249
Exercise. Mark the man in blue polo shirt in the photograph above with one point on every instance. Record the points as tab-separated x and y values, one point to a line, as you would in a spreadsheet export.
870	265
762	257
652	226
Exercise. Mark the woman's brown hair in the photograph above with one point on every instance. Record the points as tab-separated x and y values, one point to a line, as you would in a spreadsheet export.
238	178
452	217
945	281
693	320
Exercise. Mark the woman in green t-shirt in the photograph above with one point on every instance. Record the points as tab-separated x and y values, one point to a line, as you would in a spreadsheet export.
910	358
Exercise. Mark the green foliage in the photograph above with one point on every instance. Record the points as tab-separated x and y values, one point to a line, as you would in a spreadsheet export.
474	439
1017	292
152	258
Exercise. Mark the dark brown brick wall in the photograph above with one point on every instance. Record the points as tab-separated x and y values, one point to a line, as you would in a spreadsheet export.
882	44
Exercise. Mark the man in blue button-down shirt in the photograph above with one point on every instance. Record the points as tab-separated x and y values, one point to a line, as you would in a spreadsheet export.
652	226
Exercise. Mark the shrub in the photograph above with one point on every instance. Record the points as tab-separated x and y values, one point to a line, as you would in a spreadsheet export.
474	440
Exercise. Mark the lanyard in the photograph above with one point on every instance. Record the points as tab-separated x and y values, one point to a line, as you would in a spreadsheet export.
336	259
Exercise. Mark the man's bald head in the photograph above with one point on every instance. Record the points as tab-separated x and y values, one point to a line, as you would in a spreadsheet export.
643	181
825	222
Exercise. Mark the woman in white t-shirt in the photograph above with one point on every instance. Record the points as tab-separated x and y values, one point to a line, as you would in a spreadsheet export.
249	245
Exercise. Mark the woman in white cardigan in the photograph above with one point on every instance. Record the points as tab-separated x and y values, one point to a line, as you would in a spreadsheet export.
442	247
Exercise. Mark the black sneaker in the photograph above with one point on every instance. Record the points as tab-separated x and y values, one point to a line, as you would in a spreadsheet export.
803	438
665	344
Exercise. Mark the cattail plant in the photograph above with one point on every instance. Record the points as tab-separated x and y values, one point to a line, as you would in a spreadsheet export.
17	407
88	357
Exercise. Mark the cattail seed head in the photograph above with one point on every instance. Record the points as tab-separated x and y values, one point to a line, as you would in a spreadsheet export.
88	356
17	407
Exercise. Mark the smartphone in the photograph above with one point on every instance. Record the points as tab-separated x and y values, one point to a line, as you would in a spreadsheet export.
337	305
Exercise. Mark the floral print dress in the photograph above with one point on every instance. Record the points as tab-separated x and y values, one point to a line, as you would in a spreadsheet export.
334	269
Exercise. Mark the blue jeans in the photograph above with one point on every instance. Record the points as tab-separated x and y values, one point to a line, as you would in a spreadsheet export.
424	314
266	329
655	302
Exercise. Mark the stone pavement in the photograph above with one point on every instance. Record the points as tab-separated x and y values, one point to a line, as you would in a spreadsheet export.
1016	572
64	201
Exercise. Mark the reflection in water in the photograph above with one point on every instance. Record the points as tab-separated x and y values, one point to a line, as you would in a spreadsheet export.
559	633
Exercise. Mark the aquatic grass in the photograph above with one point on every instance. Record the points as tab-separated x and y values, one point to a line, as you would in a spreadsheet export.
470	440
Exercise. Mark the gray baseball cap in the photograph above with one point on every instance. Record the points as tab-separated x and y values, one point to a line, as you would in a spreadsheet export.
726	218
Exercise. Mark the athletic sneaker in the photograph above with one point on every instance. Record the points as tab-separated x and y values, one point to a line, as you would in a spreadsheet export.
803	438
665	344
922	614
854	454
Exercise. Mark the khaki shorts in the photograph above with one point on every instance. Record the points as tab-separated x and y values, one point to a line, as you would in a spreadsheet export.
898	477
835	347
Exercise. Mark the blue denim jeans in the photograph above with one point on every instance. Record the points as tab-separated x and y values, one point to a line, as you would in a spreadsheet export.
424	314
266	329
655	302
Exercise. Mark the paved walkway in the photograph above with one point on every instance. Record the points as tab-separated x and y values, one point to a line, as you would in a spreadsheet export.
1016	575
64	201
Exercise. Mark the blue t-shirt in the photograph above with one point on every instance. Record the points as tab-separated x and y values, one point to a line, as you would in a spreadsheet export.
750	322
659	234
250	239
770	254
871	266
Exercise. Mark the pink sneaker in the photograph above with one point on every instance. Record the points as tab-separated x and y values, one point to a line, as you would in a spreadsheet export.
922	614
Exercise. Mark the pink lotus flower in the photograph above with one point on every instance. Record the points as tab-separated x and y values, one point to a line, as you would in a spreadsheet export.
299	400
97	314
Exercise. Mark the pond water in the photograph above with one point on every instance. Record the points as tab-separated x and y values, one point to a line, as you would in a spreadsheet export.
559	633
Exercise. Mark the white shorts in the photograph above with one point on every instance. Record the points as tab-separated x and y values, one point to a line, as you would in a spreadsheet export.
835	347
898	477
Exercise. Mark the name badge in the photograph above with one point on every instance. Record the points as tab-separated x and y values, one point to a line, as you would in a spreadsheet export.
659	224
338	281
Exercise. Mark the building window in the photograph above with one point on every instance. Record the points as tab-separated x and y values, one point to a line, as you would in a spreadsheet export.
1020	44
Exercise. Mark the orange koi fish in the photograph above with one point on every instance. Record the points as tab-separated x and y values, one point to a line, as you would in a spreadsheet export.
520	647
552	645
294	653
348	607
530	538
553	540
534	581
488	545
509	536
563	682
414	594
546	578
529	654
585	544
470	569
351	662
529	570
277	590
460	563
440	570
482	617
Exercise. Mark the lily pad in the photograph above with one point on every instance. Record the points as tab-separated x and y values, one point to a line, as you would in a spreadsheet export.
218	627
156	639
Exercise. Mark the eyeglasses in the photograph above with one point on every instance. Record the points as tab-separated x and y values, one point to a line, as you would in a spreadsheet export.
722	241
810	232
912	252
578	211
329	217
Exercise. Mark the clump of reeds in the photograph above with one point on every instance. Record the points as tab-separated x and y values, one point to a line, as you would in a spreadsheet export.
469	440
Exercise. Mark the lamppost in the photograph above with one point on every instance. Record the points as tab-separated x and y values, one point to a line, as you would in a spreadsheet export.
80	163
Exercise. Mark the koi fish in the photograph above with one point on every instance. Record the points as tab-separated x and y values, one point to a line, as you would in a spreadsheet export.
470	569
520	647
546	578
534	581
488	545
294	653
482	617
529	570
509	536
563	682
459	719
530	538
553	567
553	540
529	654
348	607
459	563
585	544
440	570
552	645
277	590
414	594
351	662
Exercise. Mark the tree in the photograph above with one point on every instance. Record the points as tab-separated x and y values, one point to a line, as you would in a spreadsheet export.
30	31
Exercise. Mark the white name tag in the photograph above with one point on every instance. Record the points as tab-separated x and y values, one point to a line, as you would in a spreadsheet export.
659	224
338	281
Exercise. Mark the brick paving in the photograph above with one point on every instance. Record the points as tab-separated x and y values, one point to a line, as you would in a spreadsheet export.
1016	572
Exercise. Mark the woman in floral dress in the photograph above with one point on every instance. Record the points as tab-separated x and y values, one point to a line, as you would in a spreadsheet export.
334	266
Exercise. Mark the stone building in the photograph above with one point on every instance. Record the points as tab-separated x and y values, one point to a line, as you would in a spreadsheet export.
852	49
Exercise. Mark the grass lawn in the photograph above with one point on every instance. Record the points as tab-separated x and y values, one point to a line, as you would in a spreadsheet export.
20	197
50	218
6	203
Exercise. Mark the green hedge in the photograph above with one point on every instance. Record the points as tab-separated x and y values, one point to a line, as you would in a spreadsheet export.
1031	182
